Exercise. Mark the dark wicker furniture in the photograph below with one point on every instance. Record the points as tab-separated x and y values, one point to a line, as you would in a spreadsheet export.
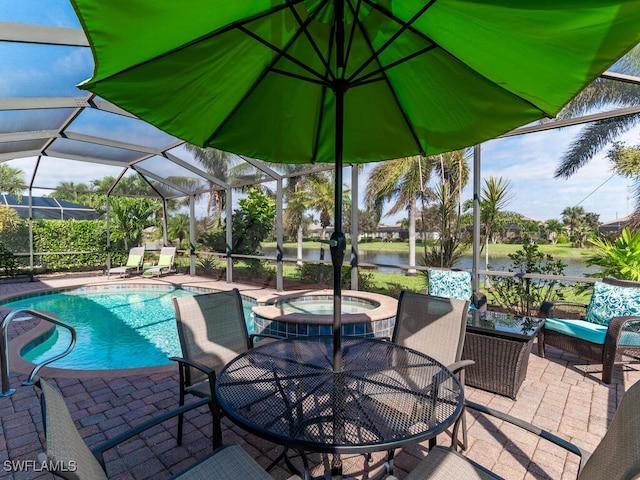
607	353
500	345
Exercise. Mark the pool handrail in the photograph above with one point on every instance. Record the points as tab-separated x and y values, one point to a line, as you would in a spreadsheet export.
4	351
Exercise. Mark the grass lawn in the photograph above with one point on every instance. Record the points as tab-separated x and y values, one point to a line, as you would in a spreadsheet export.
559	251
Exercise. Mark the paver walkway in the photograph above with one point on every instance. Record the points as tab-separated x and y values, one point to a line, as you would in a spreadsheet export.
562	394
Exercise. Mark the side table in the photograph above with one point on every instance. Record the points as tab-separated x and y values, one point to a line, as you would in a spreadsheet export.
500	344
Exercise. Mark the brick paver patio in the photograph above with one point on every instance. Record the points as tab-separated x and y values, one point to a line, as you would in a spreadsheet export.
562	394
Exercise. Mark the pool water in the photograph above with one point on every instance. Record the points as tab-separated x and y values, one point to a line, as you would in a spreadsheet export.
116	327
324	306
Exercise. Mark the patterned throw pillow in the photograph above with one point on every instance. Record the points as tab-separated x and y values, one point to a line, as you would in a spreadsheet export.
610	301
450	284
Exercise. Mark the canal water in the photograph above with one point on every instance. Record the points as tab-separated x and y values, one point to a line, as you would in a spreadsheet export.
575	267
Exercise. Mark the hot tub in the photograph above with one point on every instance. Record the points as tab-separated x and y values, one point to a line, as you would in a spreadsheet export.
311	313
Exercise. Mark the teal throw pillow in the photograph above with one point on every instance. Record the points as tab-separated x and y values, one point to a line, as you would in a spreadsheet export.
450	284
610	301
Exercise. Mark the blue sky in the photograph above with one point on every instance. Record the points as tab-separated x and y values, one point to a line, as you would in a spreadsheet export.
526	161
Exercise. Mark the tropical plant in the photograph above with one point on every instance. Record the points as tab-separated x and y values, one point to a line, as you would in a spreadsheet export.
178	227
524	296
320	198
580	224
71	192
553	228
619	259
403	182
447	207
9	219
11	180
217	164
495	196
597	135
129	217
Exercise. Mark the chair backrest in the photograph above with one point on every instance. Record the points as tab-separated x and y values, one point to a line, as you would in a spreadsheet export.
67	453
136	257
211	328
167	256
618	454
432	325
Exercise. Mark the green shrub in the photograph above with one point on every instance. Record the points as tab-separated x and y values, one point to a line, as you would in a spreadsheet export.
525	295
619	259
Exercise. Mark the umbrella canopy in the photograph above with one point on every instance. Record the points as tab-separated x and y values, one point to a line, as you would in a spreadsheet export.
303	81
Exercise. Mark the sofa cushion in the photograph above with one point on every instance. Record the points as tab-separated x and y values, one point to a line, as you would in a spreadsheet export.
588	331
610	301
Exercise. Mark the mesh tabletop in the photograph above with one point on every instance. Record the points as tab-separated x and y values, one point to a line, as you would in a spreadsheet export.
384	397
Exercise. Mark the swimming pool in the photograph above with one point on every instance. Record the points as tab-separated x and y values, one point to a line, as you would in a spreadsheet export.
118	326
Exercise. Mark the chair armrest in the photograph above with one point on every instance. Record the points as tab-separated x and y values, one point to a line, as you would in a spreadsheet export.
583	454
192	363
185	378
99	450
546	309
459	365
611	339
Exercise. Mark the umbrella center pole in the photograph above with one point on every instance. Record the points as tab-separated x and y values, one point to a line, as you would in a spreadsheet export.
338	241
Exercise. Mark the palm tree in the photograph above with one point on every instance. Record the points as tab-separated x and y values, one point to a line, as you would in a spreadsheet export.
597	135
70	191
572	218
554	228
453	169
217	164
11	180
178	227
495	196
320	197
401	181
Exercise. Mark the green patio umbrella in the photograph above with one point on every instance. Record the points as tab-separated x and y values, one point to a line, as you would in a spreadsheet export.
305	81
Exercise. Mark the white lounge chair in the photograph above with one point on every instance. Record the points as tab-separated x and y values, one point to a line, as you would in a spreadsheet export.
134	262
164	265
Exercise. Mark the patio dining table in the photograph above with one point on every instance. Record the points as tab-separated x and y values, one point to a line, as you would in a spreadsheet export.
386	396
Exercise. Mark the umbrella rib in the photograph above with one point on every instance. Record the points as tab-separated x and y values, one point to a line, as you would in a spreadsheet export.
403	27
196	40
304	25
281	52
270	68
381	70
356	13
367	78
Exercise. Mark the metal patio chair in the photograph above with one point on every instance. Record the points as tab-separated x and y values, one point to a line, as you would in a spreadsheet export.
212	331
68	456
435	326
617	456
